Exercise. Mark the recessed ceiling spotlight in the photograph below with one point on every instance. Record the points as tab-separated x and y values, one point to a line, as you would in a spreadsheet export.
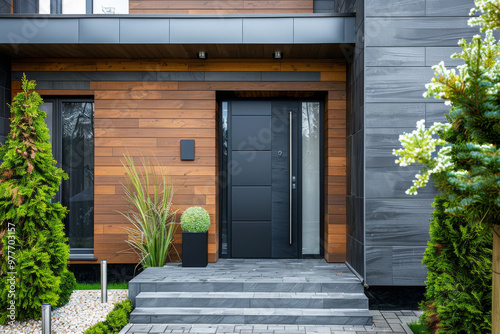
277	55
202	55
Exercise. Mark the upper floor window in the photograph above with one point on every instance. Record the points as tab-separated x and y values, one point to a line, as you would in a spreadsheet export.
71	6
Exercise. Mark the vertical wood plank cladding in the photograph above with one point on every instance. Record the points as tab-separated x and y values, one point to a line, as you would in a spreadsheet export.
220	7
335	173
148	119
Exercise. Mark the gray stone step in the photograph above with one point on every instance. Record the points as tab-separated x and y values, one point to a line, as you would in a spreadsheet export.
290	316
316	300
345	286
307	292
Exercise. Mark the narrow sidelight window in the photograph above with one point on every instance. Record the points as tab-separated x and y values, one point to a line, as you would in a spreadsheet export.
311	178
71	128
78	161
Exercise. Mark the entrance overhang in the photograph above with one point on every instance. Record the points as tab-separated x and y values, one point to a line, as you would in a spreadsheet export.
137	36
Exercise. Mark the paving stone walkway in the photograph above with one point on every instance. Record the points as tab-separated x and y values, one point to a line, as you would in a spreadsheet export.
383	322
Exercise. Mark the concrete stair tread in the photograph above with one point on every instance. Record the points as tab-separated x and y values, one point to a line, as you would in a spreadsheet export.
157	279
269	295
306	292
249	311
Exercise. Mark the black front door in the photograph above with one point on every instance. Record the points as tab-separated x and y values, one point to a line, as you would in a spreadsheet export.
262	170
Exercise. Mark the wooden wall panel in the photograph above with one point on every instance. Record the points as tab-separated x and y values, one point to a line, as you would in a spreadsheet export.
148	119
220	7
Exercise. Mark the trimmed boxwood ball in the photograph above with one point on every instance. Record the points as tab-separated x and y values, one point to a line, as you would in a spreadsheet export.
195	219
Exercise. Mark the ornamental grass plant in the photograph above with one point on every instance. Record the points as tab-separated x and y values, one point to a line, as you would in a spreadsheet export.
149	192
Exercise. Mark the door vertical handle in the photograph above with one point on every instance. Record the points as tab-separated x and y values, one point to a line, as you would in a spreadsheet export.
291	178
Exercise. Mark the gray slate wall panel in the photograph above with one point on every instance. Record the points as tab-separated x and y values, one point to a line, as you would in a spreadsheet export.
398	222
39	31
397	84
378	265
354	229
358	66
449	7
434	55
144	31
407	266
355	146
403	39
434	112
379	145
395	56
358	104
395	266
392	182
417	31
357	164
395	7
267	31
222	31
394	115
356	256
99	30
355	140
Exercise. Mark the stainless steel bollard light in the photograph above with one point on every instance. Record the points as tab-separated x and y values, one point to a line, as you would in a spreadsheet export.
104	281
46	318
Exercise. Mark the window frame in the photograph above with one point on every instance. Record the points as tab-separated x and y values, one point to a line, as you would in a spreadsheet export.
76	253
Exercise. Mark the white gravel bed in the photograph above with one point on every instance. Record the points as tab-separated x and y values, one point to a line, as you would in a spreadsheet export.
83	310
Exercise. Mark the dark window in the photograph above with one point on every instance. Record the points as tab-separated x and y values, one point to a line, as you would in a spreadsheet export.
26	6
71	124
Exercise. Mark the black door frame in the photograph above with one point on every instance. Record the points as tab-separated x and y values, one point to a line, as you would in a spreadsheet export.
224	179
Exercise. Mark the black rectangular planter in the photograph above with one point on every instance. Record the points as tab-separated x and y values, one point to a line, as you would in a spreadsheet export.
194	249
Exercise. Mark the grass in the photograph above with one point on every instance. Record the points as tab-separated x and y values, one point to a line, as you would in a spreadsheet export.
417	328
97	286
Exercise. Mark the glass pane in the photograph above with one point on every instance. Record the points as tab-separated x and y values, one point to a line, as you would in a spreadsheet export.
48	107
223	181
110	6
44	6
74	6
310	178
78	163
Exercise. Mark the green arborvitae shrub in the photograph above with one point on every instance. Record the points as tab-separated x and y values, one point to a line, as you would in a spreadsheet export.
467	173
68	284
115	321
99	328
35	250
458	259
195	219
